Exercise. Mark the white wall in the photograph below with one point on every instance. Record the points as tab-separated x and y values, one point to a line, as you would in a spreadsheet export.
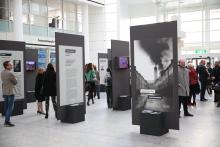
124	29
96	33
142	10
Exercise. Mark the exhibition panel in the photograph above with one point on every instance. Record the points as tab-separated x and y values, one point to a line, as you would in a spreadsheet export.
70	77
120	75
102	67
154	72
31	58
13	51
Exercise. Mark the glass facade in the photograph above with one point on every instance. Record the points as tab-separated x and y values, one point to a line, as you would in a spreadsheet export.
43	17
200	23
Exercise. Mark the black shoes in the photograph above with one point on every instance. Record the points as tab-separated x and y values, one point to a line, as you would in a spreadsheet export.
188	114
39	112
46	116
218	105
204	100
9	124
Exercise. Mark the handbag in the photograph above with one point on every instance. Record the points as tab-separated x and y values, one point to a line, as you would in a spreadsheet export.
42	87
216	87
197	88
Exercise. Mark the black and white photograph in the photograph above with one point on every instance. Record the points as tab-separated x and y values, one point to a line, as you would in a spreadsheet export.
153	61
17	65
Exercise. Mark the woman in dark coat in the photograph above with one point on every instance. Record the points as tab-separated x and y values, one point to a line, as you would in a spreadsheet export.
38	90
50	88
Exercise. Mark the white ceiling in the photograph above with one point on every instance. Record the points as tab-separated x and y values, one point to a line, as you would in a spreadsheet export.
132	2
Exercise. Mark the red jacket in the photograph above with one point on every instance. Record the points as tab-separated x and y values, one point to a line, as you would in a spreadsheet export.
193	77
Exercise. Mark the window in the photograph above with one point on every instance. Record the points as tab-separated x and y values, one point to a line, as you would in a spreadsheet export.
193	26
193	37
38	13
215	13
143	20
55	13
189	16
214	24
111	8
215	36
38	7
69	16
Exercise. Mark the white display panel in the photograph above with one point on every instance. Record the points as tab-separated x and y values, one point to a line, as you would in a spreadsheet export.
16	58
71	75
103	65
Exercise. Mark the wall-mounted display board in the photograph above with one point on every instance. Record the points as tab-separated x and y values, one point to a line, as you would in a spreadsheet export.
71	75
16	59
154	71
42	58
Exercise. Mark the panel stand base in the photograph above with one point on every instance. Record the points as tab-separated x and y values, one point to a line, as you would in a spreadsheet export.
18	108
124	103
153	124
72	114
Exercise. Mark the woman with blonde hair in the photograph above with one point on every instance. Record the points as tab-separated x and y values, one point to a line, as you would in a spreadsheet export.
39	90
194	84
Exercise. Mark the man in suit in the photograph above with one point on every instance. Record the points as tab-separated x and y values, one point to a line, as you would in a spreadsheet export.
203	78
8	84
183	86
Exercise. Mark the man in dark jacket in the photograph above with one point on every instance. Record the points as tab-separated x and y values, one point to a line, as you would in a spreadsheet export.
216	76
203	77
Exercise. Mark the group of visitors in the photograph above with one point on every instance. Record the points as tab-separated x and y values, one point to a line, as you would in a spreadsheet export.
45	87
92	84
193	81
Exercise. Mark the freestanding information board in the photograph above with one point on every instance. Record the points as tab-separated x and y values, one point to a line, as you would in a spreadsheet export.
13	51
71	75
154	73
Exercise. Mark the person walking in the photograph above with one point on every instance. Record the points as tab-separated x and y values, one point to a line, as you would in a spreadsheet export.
8	89
39	90
183	86
49	88
97	82
108	82
209	80
203	77
90	79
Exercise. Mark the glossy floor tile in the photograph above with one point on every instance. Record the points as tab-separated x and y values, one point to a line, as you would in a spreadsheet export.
106	128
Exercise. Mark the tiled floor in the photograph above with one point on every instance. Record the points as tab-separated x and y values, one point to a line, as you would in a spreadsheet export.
107	128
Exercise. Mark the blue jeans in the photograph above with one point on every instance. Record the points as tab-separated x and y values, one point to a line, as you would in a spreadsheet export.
98	91
8	106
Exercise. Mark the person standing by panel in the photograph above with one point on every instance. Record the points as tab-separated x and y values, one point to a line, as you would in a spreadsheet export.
216	77
203	77
194	84
183	86
97	82
108	82
49	88
209	81
8	89
38	90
